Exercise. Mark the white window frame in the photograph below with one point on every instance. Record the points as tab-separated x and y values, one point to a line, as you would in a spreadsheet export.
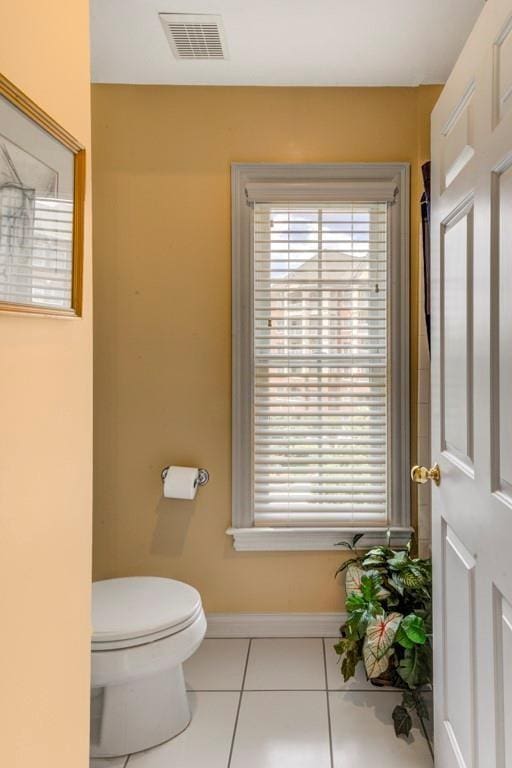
246	536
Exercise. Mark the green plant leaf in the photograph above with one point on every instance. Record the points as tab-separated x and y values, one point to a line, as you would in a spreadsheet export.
381	632
376	557
421	707
397	584
348	666
414	627
355	626
399	560
402	639
414	668
414	700
402	721
409	700
381	552
371	560
370	585
355	602
350	651
346	645
379	592
407	667
412	578
350	544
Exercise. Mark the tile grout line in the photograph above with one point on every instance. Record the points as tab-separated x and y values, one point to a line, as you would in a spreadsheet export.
331	756
292	690
269	637
239	704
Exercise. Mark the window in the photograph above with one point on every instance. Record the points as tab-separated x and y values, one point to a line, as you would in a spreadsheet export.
320	380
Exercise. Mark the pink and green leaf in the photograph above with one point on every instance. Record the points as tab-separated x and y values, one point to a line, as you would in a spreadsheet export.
374	666
381	632
353	579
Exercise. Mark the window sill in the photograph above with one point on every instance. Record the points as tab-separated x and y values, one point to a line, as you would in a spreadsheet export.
297	539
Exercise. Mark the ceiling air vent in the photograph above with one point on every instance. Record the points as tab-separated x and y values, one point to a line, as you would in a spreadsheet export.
197	36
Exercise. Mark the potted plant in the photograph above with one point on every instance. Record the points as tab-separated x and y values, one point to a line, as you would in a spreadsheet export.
389	624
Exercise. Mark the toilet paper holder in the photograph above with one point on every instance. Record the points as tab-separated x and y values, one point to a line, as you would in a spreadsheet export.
202	475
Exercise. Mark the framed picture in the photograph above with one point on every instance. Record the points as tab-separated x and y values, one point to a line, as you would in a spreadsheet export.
42	188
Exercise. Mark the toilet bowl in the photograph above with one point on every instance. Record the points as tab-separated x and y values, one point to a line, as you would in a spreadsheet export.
144	628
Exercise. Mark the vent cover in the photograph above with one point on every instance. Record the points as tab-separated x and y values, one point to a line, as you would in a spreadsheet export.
197	36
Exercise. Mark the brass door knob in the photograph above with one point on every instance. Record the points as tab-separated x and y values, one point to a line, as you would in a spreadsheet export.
422	475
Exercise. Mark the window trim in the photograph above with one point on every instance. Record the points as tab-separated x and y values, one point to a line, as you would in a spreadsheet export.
246	536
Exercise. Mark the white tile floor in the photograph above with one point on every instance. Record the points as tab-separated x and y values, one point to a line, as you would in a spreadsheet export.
281	703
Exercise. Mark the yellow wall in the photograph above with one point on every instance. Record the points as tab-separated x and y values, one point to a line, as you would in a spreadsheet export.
45	453
162	315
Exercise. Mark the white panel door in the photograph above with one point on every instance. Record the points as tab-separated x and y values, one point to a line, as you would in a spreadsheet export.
472	400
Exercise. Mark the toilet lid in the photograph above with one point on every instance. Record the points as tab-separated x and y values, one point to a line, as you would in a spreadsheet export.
136	606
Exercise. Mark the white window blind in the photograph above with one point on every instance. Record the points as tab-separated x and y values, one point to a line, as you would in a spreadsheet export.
320	363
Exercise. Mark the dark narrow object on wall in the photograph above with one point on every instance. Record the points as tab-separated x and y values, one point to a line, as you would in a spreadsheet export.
425	227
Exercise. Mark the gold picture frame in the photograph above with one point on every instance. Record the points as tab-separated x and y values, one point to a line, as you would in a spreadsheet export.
42	200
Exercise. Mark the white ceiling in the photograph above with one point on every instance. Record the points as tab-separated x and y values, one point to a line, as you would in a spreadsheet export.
287	42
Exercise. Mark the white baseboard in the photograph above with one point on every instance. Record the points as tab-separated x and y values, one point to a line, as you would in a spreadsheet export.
274	624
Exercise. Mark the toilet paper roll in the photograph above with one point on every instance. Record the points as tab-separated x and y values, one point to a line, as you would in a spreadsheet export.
181	483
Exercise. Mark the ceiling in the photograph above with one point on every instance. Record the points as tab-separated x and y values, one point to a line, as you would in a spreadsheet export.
287	42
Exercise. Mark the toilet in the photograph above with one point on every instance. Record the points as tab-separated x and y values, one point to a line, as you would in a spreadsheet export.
144	628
